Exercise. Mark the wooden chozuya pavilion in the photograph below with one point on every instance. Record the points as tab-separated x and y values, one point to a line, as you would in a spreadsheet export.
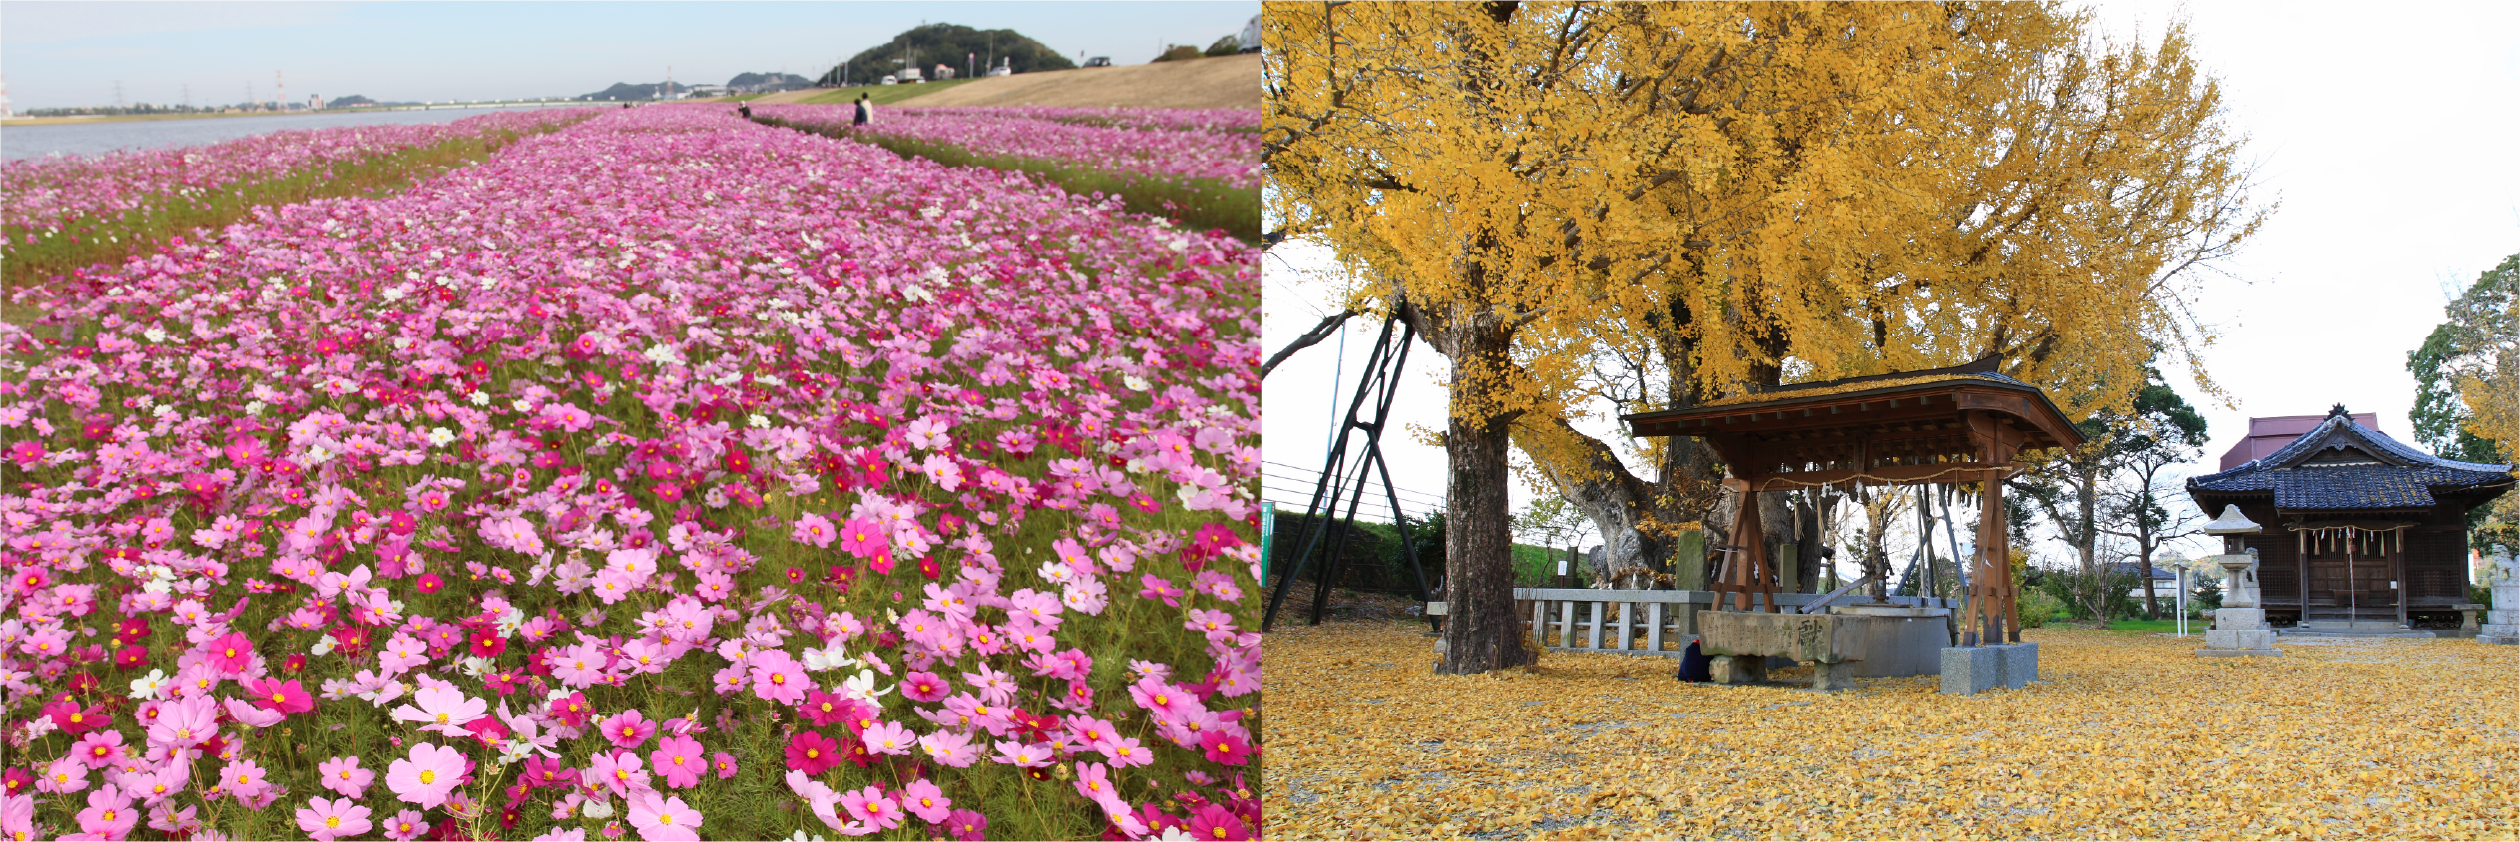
1958	424
2359	526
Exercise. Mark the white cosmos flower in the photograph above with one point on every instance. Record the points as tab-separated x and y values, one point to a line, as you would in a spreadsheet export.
600	808
440	436
479	398
862	687
148	686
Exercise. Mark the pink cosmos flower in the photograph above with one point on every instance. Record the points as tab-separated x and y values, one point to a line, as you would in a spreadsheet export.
230	654
406	826
865	538
618	771
427	777
343	775
889	738
282	698
17	816
444	710
108	814
659	817
952	748
870	806
724	763
329	819
627	729
814	529
926	801
967	825
924	687
1215	822
678	758
777	677
244	778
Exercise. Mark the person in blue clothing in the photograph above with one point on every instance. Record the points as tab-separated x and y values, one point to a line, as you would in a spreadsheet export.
1693	667
865	111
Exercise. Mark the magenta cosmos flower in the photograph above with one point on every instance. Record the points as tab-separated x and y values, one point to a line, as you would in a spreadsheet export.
810	752
427	777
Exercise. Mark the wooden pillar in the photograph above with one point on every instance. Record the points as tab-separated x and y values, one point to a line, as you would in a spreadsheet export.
2301	558
1986	599
2397	570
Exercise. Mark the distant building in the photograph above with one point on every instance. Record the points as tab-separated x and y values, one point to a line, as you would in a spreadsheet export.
2357	526
1251	36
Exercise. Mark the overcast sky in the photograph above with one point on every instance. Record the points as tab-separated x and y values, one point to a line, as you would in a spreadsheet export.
2392	153
57	54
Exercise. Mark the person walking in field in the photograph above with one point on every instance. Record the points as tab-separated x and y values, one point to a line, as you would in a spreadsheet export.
865	111
744	108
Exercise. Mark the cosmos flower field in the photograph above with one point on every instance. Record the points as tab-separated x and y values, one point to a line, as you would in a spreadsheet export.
1171	144
46	193
665	476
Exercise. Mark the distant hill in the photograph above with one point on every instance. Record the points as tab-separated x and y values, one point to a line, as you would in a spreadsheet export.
749	82
347	101
946	43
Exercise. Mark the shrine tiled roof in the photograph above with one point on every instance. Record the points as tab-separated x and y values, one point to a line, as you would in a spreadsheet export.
2343	465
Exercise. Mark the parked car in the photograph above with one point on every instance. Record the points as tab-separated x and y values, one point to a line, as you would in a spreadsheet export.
888	80
1098	61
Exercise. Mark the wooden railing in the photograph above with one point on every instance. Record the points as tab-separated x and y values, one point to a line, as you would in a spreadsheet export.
1636	622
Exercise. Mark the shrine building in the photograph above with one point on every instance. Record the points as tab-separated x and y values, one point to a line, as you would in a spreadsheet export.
2359	528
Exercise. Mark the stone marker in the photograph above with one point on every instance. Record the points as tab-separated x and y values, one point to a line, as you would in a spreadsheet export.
2239	625
2502	621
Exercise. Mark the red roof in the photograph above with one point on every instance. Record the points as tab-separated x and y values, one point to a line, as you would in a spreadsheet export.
2267	435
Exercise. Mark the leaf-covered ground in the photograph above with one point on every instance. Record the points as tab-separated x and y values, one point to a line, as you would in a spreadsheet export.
2129	736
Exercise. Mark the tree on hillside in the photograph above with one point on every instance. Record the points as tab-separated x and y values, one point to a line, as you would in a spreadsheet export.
2467	389
1661	204
1180	52
928	45
1226	46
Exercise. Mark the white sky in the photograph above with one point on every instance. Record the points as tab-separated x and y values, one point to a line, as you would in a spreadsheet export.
2392	157
61	54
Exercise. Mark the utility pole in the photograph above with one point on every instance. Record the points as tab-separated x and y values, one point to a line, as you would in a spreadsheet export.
281	103
250	102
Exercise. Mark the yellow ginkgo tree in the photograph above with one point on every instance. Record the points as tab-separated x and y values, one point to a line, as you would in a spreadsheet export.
1652	205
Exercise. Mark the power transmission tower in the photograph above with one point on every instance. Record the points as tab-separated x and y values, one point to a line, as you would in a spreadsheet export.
188	97
1322	522
118	96
282	103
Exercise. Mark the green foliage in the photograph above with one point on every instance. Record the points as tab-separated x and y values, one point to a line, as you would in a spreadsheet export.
2037	607
2440	419
946	43
1180	52
1203	203
1226	46
2098	595
2208	595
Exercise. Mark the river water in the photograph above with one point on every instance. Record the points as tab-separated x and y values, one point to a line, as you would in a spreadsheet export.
20	142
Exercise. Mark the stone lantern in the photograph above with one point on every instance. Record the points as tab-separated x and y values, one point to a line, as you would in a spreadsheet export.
2240	625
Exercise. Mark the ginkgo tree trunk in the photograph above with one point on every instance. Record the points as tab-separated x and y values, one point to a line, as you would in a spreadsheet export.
1644	206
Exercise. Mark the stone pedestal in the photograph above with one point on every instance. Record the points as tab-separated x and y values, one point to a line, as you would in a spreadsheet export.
2016	664
1736	669
1970	670
2239	632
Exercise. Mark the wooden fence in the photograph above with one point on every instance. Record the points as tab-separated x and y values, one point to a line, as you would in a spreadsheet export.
1635	622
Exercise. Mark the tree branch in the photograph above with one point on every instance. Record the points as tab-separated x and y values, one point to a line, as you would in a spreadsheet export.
1310	338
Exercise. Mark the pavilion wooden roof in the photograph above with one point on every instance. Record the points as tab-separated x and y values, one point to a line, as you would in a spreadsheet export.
1942	425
